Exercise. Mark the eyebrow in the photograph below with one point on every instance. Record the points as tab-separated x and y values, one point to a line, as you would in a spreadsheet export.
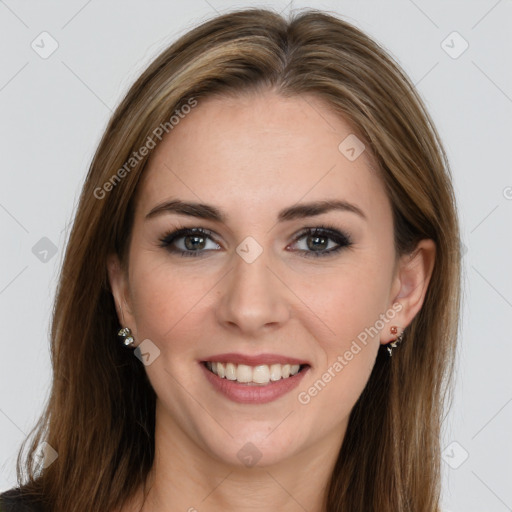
206	211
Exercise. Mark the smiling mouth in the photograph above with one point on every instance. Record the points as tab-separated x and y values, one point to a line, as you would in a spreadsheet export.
259	375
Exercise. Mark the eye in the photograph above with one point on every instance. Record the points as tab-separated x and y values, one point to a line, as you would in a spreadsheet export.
322	241
189	241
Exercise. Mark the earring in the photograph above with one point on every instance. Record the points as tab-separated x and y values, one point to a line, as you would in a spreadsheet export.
125	334
396	341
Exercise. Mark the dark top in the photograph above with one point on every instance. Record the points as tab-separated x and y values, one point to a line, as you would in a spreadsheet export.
13	500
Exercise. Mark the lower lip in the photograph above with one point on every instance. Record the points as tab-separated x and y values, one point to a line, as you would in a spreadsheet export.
253	394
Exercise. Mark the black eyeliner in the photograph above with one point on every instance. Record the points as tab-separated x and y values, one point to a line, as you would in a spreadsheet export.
342	239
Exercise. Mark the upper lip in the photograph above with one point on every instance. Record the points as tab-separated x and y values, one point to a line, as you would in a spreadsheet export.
254	360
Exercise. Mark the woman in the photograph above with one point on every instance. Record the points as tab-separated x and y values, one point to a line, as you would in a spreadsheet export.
270	228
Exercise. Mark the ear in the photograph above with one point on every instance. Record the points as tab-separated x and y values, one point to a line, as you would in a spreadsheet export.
118	279
410	285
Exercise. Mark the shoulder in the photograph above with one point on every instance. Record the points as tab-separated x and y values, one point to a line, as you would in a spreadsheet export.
15	500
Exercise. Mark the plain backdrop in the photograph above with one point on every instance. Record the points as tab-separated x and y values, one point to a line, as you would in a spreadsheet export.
54	108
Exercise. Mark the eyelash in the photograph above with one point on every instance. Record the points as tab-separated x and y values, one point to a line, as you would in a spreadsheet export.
343	240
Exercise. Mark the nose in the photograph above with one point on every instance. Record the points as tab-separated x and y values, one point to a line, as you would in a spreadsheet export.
254	300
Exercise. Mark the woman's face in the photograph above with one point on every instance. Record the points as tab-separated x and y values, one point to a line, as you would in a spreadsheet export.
255	291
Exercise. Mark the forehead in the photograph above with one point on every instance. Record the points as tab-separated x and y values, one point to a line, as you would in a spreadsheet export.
260	150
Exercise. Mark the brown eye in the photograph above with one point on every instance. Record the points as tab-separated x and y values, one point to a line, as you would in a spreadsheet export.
189	242
322	241
193	242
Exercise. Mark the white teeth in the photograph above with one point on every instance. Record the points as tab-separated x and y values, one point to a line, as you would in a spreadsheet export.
230	371
221	370
275	372
244	373
261	374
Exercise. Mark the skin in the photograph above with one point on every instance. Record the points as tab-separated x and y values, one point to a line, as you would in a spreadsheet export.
252	156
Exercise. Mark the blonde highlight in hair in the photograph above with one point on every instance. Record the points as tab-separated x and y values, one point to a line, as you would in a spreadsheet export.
100	415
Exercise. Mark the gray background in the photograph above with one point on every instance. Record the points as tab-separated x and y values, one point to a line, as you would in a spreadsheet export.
54	109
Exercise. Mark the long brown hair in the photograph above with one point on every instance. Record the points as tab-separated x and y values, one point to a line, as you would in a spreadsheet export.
100	415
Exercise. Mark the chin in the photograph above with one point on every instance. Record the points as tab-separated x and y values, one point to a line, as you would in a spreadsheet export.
255	446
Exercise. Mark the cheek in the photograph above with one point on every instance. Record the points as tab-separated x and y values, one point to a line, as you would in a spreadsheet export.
345	302
352	307
165	300
348	336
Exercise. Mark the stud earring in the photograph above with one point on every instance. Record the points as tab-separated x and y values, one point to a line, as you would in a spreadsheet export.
125	334
393	344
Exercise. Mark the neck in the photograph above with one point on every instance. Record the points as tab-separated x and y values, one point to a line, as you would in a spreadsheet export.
186	477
